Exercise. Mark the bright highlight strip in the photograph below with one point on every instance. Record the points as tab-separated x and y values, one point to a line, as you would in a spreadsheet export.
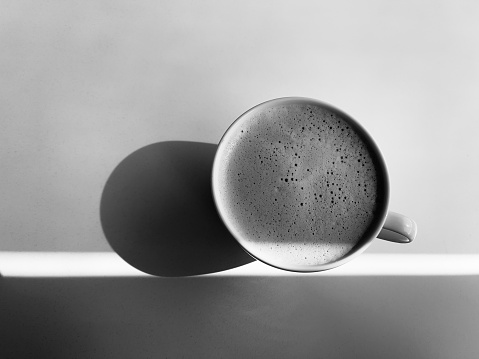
381	265
109	264
65	264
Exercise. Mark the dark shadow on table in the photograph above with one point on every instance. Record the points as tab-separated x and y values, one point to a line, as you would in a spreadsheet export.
158	214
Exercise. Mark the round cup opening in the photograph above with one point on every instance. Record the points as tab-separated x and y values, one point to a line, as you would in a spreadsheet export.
292	181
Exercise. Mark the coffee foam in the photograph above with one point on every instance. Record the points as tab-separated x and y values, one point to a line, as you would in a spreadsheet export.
298	185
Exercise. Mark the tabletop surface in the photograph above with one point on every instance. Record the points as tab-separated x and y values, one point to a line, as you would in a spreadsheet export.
85	85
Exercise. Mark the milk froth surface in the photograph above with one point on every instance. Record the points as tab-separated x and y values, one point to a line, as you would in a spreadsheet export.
299	184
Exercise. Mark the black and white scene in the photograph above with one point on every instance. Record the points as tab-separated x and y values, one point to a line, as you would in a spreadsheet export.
239	179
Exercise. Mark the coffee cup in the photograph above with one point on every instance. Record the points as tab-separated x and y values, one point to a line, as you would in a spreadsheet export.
303	187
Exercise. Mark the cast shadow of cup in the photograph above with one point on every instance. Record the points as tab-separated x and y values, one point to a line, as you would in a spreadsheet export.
158	214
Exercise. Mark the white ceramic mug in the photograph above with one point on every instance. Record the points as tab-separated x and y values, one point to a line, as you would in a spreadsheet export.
385	224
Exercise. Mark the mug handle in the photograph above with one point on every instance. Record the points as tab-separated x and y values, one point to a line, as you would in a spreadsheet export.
398	228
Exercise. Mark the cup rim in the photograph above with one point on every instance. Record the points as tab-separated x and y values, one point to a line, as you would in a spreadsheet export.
382	214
